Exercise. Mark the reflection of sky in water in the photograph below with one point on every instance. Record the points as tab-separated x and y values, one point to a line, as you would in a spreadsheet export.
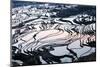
62	50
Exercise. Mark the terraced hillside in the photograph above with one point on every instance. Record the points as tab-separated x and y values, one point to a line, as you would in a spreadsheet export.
45	34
